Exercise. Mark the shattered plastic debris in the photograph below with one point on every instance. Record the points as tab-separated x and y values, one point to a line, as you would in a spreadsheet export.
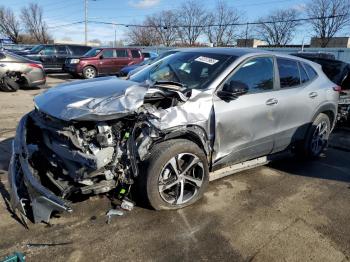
127	204
113	212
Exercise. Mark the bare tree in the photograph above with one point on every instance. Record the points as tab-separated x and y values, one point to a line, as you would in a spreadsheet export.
9	25
191	20
223	16
278	28
163	24
143	36
34	24
325	28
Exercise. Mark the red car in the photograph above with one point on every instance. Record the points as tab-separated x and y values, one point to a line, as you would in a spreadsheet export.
102	61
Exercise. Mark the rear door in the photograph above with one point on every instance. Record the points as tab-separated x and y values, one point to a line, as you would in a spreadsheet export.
123	59
47	57
245	126
136	56
107	62
61	54
296	102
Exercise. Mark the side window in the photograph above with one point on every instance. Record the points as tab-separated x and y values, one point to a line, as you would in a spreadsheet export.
303	75
61	50
255	75
145	55
109	53
310	71
289	72
135	54
122	53
48	50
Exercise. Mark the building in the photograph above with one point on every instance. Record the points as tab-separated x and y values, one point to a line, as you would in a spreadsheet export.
251	42
335	42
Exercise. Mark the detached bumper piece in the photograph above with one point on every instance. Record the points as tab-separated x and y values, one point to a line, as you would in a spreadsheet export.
28	195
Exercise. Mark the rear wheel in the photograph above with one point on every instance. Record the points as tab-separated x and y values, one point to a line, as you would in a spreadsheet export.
8	84
89	72
176	175
316	138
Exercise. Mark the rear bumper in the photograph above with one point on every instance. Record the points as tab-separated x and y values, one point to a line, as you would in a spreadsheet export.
27	194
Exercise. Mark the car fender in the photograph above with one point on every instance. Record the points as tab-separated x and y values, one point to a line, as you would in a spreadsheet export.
326	107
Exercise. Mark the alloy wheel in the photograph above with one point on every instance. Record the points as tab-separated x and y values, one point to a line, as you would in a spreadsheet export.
319	138
181	178
90	73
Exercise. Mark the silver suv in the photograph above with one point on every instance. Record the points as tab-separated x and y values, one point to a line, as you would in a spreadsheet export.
169	128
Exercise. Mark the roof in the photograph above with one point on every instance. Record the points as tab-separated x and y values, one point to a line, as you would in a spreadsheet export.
228	50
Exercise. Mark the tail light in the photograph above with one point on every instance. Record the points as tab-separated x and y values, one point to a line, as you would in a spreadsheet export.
337	88
36	66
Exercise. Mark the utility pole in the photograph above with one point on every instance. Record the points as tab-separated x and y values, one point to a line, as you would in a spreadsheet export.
86	20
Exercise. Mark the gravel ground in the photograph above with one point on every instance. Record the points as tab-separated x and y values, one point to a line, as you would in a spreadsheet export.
289	210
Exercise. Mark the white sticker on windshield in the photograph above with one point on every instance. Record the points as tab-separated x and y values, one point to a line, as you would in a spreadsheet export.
207	60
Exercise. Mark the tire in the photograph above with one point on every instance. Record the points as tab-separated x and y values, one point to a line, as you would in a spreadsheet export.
89	72
316	139
157	173
8	84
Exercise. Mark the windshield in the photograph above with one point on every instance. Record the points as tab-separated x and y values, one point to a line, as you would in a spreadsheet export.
195	70
93	52
36	48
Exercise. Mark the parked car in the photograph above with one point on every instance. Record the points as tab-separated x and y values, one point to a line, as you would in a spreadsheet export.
102	61
127	69
149	55
151	61
53	56
166	128
17	71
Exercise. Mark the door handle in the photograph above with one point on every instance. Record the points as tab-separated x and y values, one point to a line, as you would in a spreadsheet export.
313	94
271	102
2	65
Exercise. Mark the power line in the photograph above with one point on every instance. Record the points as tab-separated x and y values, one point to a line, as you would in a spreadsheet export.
201	26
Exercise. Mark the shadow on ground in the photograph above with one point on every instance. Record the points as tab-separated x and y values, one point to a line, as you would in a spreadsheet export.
5	153
333	165
60	76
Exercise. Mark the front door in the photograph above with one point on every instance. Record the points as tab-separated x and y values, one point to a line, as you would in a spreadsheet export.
245	126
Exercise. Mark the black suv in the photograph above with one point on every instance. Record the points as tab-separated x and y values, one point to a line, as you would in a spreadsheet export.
53	56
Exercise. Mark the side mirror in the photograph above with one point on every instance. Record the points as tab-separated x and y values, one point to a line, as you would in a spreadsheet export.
101	56
232	90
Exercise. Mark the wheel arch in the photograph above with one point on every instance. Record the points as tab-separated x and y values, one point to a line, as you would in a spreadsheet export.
328	109
89	65
192	133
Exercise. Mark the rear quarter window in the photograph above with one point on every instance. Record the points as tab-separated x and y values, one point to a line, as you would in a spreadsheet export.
288	72
135	53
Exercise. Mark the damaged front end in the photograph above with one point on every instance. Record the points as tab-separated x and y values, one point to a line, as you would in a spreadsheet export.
56	157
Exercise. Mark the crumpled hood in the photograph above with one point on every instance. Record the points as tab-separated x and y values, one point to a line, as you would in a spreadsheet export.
98	99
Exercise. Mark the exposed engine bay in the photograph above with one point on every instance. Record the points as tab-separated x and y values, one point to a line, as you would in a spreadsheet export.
70	158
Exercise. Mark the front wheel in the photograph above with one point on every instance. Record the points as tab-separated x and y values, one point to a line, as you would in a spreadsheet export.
89	72
176	175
